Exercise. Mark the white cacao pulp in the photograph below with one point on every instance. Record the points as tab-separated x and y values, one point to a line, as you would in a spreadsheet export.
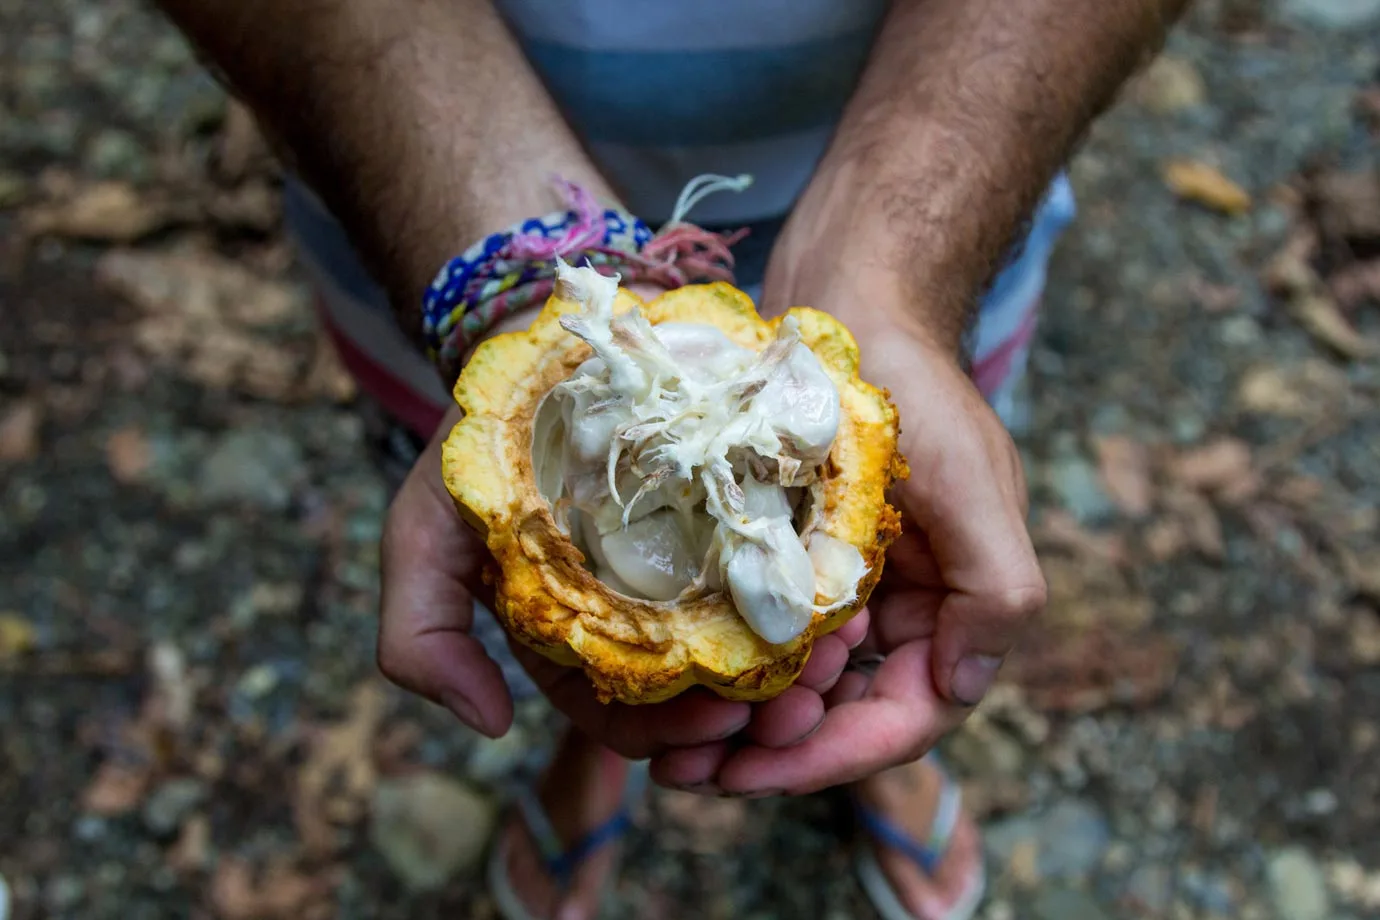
677	461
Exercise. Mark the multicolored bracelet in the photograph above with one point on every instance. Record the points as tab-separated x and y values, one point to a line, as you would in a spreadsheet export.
516	268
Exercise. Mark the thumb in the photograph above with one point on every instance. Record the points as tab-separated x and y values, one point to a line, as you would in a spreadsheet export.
430	560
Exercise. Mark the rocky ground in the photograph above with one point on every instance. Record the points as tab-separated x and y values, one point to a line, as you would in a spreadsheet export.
190	724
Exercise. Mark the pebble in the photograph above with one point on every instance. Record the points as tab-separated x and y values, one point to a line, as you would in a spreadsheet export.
261	468
1066	904
1070	837
1171	84
428	827
1077	483
116	154
1333	14
64	892
493	759
1297	886
1150	888
170	804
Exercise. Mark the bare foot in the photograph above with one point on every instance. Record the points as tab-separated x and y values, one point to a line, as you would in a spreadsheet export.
582	789
908	797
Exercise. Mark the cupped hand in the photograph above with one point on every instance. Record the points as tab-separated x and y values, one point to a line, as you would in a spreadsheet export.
959	584
431	576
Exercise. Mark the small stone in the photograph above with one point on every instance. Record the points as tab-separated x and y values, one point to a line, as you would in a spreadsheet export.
1149	889
1072	835
63	892
1297	886
494	758
1333	14
1065	904
1078	485
1171	84
257	683
13	188
260	468
116	154
428	828
170	804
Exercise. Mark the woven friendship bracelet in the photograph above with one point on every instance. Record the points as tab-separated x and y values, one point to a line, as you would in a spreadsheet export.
516	268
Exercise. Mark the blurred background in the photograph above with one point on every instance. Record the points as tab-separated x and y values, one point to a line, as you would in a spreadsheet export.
190	721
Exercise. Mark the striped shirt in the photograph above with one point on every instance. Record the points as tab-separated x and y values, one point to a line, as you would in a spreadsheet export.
660	92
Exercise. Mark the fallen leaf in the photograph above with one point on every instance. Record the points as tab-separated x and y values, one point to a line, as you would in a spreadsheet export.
1363	638
127	455
191	852
1083	595
281	891
1363	572
17	636
220	324
1293	391
337	780
707	825
253	206
107	212
1356	284
1320	316
1205	185
19	432
1200	526
1058	529
1214	298
1216	466
1125	467
1346	206
1290	271
328	378
1299	491
1165	538
1088	670
116	789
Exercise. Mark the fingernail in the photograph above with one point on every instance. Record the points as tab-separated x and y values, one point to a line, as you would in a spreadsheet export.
973	677
463	709
571	912
809	734
729	733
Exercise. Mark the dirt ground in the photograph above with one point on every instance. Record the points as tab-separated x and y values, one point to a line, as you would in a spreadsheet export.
190	720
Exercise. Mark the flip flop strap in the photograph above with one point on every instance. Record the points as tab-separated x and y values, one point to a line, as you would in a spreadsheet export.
929	853
560	861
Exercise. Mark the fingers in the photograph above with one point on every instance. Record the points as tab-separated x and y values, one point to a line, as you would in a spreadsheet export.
826	663
691	768
428	557
692	718
787	719
896	721
969	500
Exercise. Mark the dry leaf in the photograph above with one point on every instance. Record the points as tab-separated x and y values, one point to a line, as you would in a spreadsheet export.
337	780
1057	529
1087	670
1165	538
1290	270
19	432
191	852
1201	528
254	206
1296	391
1083	594
1346	206
279	892
1356	284
1213	466
328	377
1205	185
1363	572
107	212
17	635
1214	298
209	317
1125	466
116	789
127	455
1319	315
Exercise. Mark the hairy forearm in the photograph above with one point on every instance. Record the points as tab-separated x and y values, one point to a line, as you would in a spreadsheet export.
420	123
967	110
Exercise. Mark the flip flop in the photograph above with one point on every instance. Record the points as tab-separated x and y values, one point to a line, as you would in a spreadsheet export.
927	855
561	862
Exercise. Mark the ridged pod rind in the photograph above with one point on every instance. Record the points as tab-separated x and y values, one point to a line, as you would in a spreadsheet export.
639	651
